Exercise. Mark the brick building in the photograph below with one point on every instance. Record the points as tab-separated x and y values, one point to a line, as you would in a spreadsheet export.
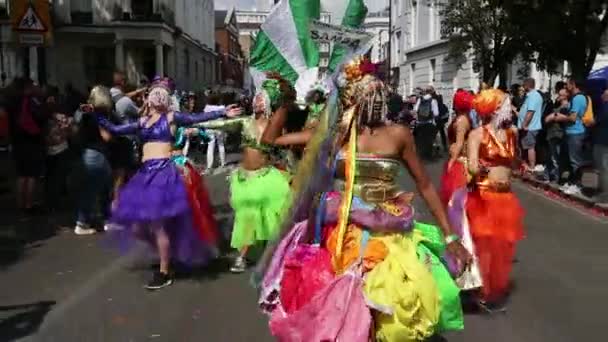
229	49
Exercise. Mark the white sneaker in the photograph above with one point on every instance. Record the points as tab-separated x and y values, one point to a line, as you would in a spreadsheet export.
111	226
539	168
239	266
83	229
573	190
565	187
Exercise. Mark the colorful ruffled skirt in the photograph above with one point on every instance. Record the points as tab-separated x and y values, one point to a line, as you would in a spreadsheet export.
389	281
258	199
156	197
496	225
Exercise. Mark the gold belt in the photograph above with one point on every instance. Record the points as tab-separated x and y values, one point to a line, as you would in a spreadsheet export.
494	186
373	193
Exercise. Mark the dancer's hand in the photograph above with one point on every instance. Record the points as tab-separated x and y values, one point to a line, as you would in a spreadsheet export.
233	111
462	256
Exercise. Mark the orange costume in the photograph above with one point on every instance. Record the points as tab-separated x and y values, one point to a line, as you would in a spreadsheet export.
495	216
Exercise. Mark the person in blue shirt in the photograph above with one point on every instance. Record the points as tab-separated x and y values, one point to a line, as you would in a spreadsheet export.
529	121
575	130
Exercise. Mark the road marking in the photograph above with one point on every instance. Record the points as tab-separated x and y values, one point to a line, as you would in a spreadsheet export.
561	202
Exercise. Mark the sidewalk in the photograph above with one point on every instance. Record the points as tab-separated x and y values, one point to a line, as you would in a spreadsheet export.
554	189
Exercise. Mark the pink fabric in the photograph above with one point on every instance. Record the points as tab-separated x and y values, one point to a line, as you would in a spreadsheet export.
308	270
338	313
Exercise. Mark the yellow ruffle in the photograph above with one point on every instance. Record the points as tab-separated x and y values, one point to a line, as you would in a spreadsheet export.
402	285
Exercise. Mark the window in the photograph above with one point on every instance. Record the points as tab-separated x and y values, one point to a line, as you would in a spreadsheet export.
186	62
412	77
399	44
432	71
82	12
98	64
431	20
142	9
414	22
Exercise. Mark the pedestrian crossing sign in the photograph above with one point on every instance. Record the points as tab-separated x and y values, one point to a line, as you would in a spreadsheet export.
30	21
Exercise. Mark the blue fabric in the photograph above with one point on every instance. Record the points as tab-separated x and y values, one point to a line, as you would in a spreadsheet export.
474	119
575	151
578	106
533	103
96	186
600	133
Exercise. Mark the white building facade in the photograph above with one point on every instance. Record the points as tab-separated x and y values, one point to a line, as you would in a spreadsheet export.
419	55
144	38
378	24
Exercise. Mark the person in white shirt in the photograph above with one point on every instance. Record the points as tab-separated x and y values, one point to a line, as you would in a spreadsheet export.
218	138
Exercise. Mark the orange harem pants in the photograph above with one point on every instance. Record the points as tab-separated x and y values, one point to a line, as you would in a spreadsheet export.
496	224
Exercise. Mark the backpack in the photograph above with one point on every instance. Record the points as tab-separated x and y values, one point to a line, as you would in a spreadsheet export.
444	112
425	111
589	117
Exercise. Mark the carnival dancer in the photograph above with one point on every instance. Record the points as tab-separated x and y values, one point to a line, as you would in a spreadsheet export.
455	171
258	190
362	226
202	210
493	211
153	206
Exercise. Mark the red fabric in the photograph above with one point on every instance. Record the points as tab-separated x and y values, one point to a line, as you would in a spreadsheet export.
495	215
202	211
307	271
453	178
26	119
495	257
496	223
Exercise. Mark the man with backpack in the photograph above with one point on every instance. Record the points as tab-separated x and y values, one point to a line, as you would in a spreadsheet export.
442	119
427	111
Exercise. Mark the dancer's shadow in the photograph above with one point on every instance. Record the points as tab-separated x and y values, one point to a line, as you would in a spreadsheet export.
25	320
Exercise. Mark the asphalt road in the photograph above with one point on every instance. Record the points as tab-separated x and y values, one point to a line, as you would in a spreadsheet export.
55	286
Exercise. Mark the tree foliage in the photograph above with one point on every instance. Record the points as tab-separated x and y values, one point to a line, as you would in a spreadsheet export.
484	28
547	32
562	30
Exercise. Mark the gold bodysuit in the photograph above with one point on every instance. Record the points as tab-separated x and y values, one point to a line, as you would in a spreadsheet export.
493	153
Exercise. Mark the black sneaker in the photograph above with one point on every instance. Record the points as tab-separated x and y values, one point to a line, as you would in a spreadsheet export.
159	280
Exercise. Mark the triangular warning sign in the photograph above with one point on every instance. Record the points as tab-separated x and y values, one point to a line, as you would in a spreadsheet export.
31	21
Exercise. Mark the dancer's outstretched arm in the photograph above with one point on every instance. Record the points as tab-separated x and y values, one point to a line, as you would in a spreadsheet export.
187	119
126	129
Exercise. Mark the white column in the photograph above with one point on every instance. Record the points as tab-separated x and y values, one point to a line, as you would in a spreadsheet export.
33	51
119	54
160	59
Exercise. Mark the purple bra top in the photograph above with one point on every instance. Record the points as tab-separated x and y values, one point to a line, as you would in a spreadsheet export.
160	131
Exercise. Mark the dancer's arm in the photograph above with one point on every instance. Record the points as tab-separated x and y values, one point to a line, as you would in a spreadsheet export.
186	119
275	126
473	150
430	195
462	127
222	124
297	138
126	129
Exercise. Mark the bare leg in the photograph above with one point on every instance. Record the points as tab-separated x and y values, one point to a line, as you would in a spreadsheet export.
164	249
243	252
532	158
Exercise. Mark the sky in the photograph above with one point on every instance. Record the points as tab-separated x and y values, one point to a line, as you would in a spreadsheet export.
373	5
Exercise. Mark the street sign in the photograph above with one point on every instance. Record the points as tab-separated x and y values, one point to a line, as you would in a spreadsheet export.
30	21
32	39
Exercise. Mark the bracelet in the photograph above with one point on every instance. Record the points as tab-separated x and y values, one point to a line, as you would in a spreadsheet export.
451	238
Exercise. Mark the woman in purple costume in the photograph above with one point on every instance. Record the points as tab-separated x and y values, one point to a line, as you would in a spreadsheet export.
153	206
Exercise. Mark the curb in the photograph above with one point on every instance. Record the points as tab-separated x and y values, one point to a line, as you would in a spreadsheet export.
552	188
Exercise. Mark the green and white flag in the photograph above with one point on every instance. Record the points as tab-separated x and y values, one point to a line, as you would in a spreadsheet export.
348	13
284	44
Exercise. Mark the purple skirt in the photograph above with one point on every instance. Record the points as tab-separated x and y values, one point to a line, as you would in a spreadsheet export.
156	198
